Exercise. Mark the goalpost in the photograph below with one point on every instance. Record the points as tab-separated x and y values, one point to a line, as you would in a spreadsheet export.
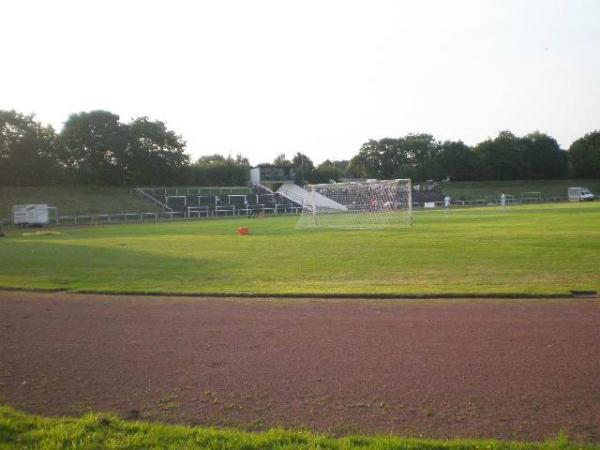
531	197
362	204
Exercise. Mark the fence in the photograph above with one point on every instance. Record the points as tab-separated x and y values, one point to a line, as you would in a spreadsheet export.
193	190
192	213
495	202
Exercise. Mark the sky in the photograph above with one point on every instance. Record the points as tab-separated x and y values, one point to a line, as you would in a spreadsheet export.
262	78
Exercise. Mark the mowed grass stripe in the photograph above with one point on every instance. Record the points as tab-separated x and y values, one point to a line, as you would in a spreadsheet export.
545	250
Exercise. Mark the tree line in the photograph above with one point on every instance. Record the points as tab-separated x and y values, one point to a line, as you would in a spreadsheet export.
97	148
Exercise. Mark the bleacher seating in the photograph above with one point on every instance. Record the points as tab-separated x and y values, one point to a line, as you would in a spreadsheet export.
206	202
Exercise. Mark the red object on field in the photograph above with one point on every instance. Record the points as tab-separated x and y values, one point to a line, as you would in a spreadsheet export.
243	231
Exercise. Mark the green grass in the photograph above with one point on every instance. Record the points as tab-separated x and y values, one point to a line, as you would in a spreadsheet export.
534	250
100	431
475	190
74	200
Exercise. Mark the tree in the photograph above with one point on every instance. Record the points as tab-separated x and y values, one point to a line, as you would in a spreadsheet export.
501	157
457	161
411	156
357	167
154	154
379	159
281	160
218	170
585	156
304	167
542	158
28	151
534	156
329	170
94	145
421	151
300	160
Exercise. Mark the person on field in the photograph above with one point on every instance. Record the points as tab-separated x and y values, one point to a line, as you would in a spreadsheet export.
503	200
373	203
447	201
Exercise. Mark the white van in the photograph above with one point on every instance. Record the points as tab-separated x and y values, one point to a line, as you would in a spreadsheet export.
579	194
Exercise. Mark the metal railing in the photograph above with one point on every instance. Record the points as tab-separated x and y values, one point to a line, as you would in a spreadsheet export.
191	214
495	201
194	213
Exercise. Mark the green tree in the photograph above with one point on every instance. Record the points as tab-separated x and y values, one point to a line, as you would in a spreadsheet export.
357	167
281	160
421	152
379	159
457	161
585	156
501	157
154	154
542	158
28	151
411	156
94	146
328	171
218	170
304	167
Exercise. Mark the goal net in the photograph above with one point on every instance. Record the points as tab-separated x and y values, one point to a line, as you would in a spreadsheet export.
374	203
531	197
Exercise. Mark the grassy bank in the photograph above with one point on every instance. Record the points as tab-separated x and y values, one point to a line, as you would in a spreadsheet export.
74	200
538	250
475	190
100	431
104	200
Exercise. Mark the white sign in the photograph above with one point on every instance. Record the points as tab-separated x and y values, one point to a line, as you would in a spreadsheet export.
30	214
429	205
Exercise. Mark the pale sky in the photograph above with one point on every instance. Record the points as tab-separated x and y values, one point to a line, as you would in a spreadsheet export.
321	77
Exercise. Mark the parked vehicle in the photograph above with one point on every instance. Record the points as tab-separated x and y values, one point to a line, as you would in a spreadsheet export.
579	194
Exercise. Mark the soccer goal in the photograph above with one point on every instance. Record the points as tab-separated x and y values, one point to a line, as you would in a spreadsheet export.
373	203
531	197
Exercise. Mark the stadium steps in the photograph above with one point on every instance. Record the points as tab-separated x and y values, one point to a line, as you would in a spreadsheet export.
140	192
304	198
262	189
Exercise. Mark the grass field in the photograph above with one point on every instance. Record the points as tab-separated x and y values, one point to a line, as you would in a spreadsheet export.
99	431
535	250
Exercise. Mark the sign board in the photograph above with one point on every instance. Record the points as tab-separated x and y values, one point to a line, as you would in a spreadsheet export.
30	214
429	205
273	174
255	175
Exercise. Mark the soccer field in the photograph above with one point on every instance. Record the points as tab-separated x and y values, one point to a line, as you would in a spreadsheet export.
547	250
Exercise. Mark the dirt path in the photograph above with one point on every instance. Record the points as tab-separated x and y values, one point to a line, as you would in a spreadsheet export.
510	369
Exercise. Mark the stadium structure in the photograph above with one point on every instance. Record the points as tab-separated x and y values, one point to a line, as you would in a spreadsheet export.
272	190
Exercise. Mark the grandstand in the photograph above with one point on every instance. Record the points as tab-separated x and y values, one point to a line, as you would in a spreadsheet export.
257	199
220	201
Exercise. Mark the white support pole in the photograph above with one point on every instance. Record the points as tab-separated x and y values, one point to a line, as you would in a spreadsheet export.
314	205
410	198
